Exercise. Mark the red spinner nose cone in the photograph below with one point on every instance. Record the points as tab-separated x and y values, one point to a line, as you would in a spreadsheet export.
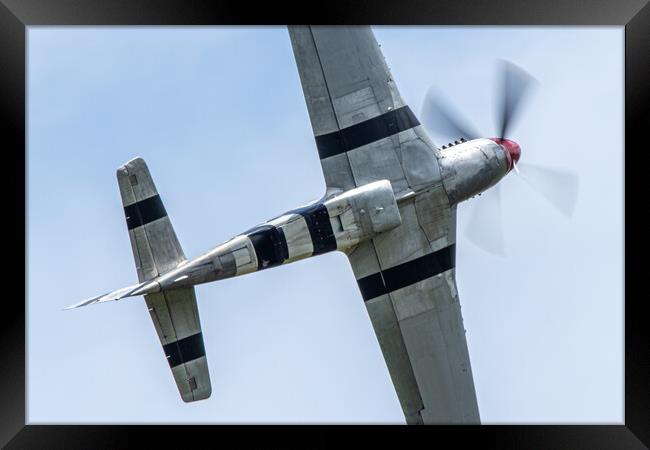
513	151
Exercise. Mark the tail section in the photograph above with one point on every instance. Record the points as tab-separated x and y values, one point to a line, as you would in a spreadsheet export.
156	249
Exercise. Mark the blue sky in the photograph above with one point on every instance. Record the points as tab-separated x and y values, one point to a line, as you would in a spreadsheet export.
219	115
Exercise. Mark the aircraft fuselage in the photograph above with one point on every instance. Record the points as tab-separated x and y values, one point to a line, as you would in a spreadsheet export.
339	221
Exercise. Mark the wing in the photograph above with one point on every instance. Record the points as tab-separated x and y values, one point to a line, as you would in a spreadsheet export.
407	281
363	129
365	132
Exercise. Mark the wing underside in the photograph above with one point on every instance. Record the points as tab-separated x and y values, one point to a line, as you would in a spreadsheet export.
408	286
364	130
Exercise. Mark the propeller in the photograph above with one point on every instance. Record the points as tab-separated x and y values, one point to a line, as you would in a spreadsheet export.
558	187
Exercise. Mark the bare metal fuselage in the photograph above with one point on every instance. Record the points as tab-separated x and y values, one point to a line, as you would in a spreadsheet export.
339	221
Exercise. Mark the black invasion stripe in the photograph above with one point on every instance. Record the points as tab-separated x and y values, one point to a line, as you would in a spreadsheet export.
184	350
283	247
319	226
365	132
270	245
407	273
144	212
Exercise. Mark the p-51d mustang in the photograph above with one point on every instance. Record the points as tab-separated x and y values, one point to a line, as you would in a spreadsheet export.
390	206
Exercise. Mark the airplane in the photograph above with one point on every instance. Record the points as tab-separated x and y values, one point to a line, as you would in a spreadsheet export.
390	205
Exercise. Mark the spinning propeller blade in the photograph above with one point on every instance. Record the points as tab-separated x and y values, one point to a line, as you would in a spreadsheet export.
558	187
438	116
484	227
515	82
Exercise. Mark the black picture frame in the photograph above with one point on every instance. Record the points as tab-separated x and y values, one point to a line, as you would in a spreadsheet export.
17	15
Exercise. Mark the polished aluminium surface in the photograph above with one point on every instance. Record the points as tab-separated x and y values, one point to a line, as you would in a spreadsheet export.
390	205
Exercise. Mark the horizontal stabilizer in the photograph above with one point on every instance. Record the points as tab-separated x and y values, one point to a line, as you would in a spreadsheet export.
156	250
176	319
